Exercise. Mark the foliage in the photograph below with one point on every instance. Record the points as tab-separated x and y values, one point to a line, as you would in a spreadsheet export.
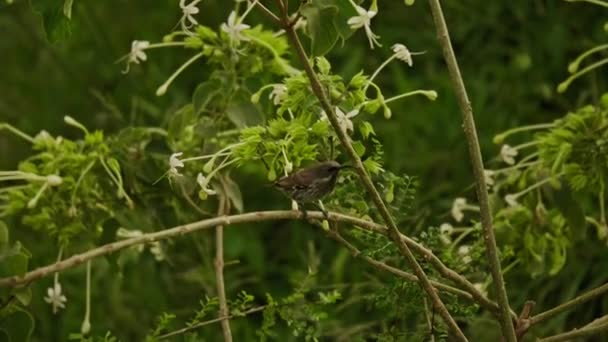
237	114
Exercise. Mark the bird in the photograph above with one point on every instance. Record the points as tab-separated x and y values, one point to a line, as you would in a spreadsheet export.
311	184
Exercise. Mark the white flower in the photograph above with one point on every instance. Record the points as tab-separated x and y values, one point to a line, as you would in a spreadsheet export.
188	12
137	53
457	208
445	230
288	166
204	184
233	28
55	298
511	200
508	153
402	53
278	93
363	19
488	176
344	120
174	163
463	251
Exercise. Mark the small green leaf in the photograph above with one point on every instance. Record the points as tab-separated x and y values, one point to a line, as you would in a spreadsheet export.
234	194
205	93
323	33
359	148
67	8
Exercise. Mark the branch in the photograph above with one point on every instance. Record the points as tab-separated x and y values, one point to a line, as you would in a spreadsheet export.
258	216
223	209
446	272
598	326
384	267
219	319
317	89
585	297
477	163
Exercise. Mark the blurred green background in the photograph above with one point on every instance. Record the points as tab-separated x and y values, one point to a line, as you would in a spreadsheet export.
512	55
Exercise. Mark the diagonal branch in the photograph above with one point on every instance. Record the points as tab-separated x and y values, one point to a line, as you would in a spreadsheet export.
399	273
598	326
585	297
477	162
394	234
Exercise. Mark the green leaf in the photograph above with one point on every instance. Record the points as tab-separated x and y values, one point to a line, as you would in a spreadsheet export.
234	194
67	8
205	93
24	295
56	25
15	264
323	33
243	114
359	148
18	326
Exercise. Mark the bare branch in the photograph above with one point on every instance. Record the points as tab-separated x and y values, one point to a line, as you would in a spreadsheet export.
383	266
478	170
317	89
223	209
585	297
598	326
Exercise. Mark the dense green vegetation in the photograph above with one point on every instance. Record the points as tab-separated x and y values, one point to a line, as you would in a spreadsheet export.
93	155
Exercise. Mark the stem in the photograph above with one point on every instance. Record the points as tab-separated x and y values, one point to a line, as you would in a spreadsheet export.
477	164
86	323
17	132
564	85
219	269
219	319
163	88
574	65
378	71
394	234
411	93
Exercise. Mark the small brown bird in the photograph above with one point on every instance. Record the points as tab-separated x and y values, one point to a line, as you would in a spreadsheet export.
309	185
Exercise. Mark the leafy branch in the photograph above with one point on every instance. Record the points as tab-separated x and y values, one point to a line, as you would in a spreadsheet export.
319	92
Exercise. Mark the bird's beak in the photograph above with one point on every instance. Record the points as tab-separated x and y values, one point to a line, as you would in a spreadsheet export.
346	167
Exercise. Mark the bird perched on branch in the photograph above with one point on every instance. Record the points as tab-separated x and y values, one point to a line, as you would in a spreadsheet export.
311	184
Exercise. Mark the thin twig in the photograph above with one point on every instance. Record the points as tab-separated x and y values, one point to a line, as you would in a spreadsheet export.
223	209
268	12
219	319
478	170
598	326
585	297
318	90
